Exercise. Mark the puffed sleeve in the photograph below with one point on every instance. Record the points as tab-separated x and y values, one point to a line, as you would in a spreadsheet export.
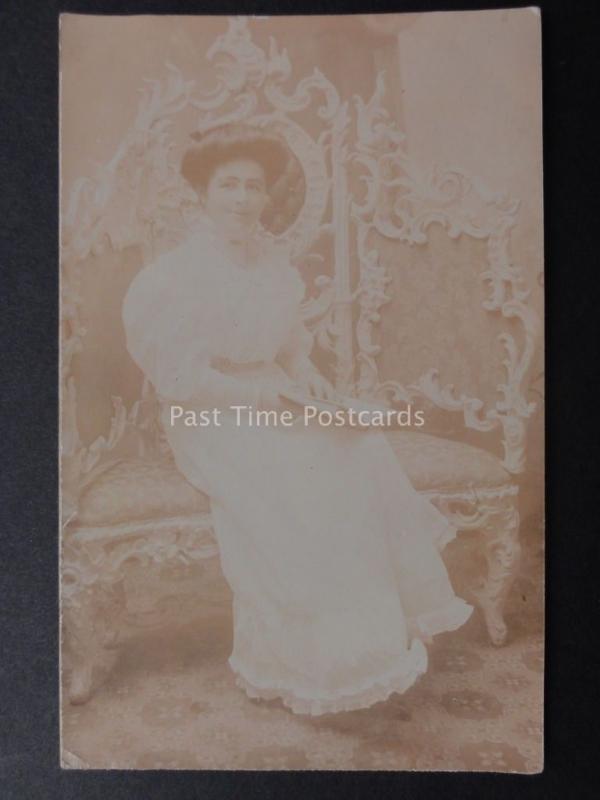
169	328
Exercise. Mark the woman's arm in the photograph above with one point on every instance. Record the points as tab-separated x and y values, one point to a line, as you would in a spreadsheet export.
215	389
295	359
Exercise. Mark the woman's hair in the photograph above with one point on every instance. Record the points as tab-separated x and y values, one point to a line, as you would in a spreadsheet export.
232	141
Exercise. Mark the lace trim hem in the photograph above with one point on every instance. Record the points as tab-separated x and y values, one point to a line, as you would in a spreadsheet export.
301	701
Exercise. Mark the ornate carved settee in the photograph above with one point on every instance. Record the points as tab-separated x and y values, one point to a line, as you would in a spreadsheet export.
355	207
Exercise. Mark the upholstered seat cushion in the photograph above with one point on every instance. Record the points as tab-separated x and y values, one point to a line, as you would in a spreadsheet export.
138	490
433	463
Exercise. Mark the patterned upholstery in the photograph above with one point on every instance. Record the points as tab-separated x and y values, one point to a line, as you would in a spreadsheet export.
434	463
137	490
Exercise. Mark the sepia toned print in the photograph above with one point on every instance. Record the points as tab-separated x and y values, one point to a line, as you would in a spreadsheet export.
301	392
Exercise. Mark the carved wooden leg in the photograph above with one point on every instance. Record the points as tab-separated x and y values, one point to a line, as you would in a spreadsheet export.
497	518
93	593
502	551
90	627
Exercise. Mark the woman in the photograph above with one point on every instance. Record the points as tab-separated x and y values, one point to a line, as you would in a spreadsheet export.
331	555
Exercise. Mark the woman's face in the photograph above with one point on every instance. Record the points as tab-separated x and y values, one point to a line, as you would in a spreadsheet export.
235	197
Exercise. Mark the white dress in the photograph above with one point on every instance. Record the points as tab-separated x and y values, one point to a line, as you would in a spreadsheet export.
331	555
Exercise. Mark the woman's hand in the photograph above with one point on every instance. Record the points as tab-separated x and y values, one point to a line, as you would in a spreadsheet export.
269	391
315	385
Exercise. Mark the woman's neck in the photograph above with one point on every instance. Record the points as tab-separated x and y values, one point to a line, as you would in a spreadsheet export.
243	250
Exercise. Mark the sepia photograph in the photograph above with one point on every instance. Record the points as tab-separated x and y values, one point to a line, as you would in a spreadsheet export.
302	392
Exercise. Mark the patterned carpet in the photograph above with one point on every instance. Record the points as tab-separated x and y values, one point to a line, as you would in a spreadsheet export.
172	703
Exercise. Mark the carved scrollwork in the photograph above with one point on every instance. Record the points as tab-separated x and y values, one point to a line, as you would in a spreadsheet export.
401	201
302	96
372	294
312	158
137	427
101	555
134	195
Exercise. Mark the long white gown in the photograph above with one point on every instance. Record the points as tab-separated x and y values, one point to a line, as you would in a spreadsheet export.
331	555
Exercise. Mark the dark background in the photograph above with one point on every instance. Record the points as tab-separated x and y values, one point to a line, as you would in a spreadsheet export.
29	754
